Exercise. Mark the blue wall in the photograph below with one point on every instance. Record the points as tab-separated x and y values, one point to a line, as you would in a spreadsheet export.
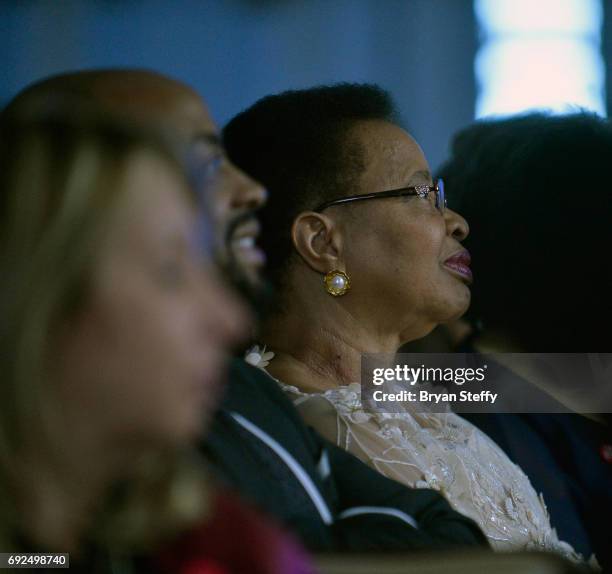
236	51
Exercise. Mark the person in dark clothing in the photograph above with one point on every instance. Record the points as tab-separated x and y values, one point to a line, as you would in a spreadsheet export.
535	189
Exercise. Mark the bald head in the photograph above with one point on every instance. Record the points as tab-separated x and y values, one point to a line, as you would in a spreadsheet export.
156	102
139	96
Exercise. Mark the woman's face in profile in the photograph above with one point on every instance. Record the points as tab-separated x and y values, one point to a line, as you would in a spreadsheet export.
398	249
143	360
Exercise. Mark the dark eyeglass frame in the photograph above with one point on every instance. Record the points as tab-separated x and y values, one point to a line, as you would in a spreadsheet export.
420	190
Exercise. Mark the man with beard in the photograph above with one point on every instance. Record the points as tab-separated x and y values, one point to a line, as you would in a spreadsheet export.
257	443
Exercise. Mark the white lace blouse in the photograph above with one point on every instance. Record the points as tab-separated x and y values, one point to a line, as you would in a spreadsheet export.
444	452
439	451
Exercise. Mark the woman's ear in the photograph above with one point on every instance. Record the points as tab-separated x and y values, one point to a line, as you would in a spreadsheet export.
318	241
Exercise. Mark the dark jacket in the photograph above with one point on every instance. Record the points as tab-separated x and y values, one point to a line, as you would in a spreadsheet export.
259	445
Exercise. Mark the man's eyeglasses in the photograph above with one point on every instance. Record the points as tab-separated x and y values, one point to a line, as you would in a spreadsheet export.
420	190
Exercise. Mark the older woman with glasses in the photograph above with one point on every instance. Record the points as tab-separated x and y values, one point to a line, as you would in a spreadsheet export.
365	256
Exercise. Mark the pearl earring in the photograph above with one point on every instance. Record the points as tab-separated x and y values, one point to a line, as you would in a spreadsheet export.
337	283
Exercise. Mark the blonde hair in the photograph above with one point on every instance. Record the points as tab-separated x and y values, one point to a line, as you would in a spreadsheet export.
59	182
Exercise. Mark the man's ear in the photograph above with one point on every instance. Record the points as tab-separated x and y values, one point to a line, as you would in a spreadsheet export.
318	241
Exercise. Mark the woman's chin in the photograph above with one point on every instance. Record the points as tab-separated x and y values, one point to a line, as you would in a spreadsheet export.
458	303
454	308
415	335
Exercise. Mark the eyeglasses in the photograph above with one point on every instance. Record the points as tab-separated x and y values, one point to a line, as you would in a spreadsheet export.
420	190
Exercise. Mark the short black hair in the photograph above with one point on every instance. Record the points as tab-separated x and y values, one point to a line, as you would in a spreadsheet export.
295	144
535	190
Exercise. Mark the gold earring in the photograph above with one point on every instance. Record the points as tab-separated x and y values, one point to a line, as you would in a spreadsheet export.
337	282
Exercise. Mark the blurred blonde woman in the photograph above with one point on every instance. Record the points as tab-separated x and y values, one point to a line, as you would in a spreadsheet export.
113	333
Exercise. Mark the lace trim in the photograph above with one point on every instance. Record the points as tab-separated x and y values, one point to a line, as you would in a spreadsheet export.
444	452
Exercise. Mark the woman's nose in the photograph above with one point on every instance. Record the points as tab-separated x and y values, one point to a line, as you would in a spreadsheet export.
456	225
